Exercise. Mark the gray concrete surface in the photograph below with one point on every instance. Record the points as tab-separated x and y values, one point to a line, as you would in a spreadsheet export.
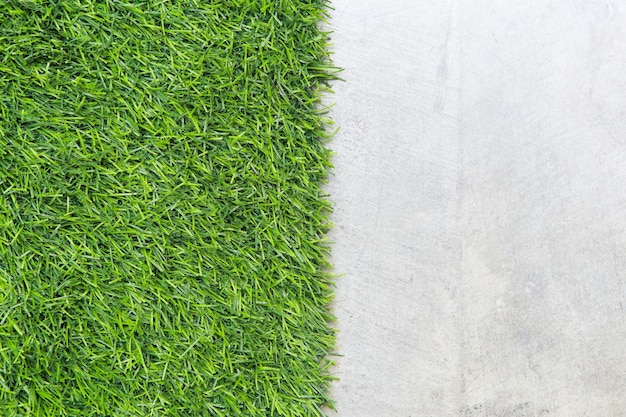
480	208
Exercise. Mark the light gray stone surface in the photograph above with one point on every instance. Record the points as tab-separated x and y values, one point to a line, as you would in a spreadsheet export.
480	208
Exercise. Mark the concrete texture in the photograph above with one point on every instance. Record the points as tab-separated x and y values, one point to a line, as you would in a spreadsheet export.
480	208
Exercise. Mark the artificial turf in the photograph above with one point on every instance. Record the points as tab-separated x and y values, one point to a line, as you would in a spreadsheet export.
162	221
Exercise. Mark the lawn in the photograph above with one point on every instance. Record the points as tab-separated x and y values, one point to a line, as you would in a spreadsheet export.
162	221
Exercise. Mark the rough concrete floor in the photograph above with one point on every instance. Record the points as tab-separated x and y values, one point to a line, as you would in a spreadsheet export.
480	208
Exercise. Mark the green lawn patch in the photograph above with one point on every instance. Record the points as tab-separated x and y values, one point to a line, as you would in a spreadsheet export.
162	225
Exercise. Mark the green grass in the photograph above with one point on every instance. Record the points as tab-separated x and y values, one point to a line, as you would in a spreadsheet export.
162	222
